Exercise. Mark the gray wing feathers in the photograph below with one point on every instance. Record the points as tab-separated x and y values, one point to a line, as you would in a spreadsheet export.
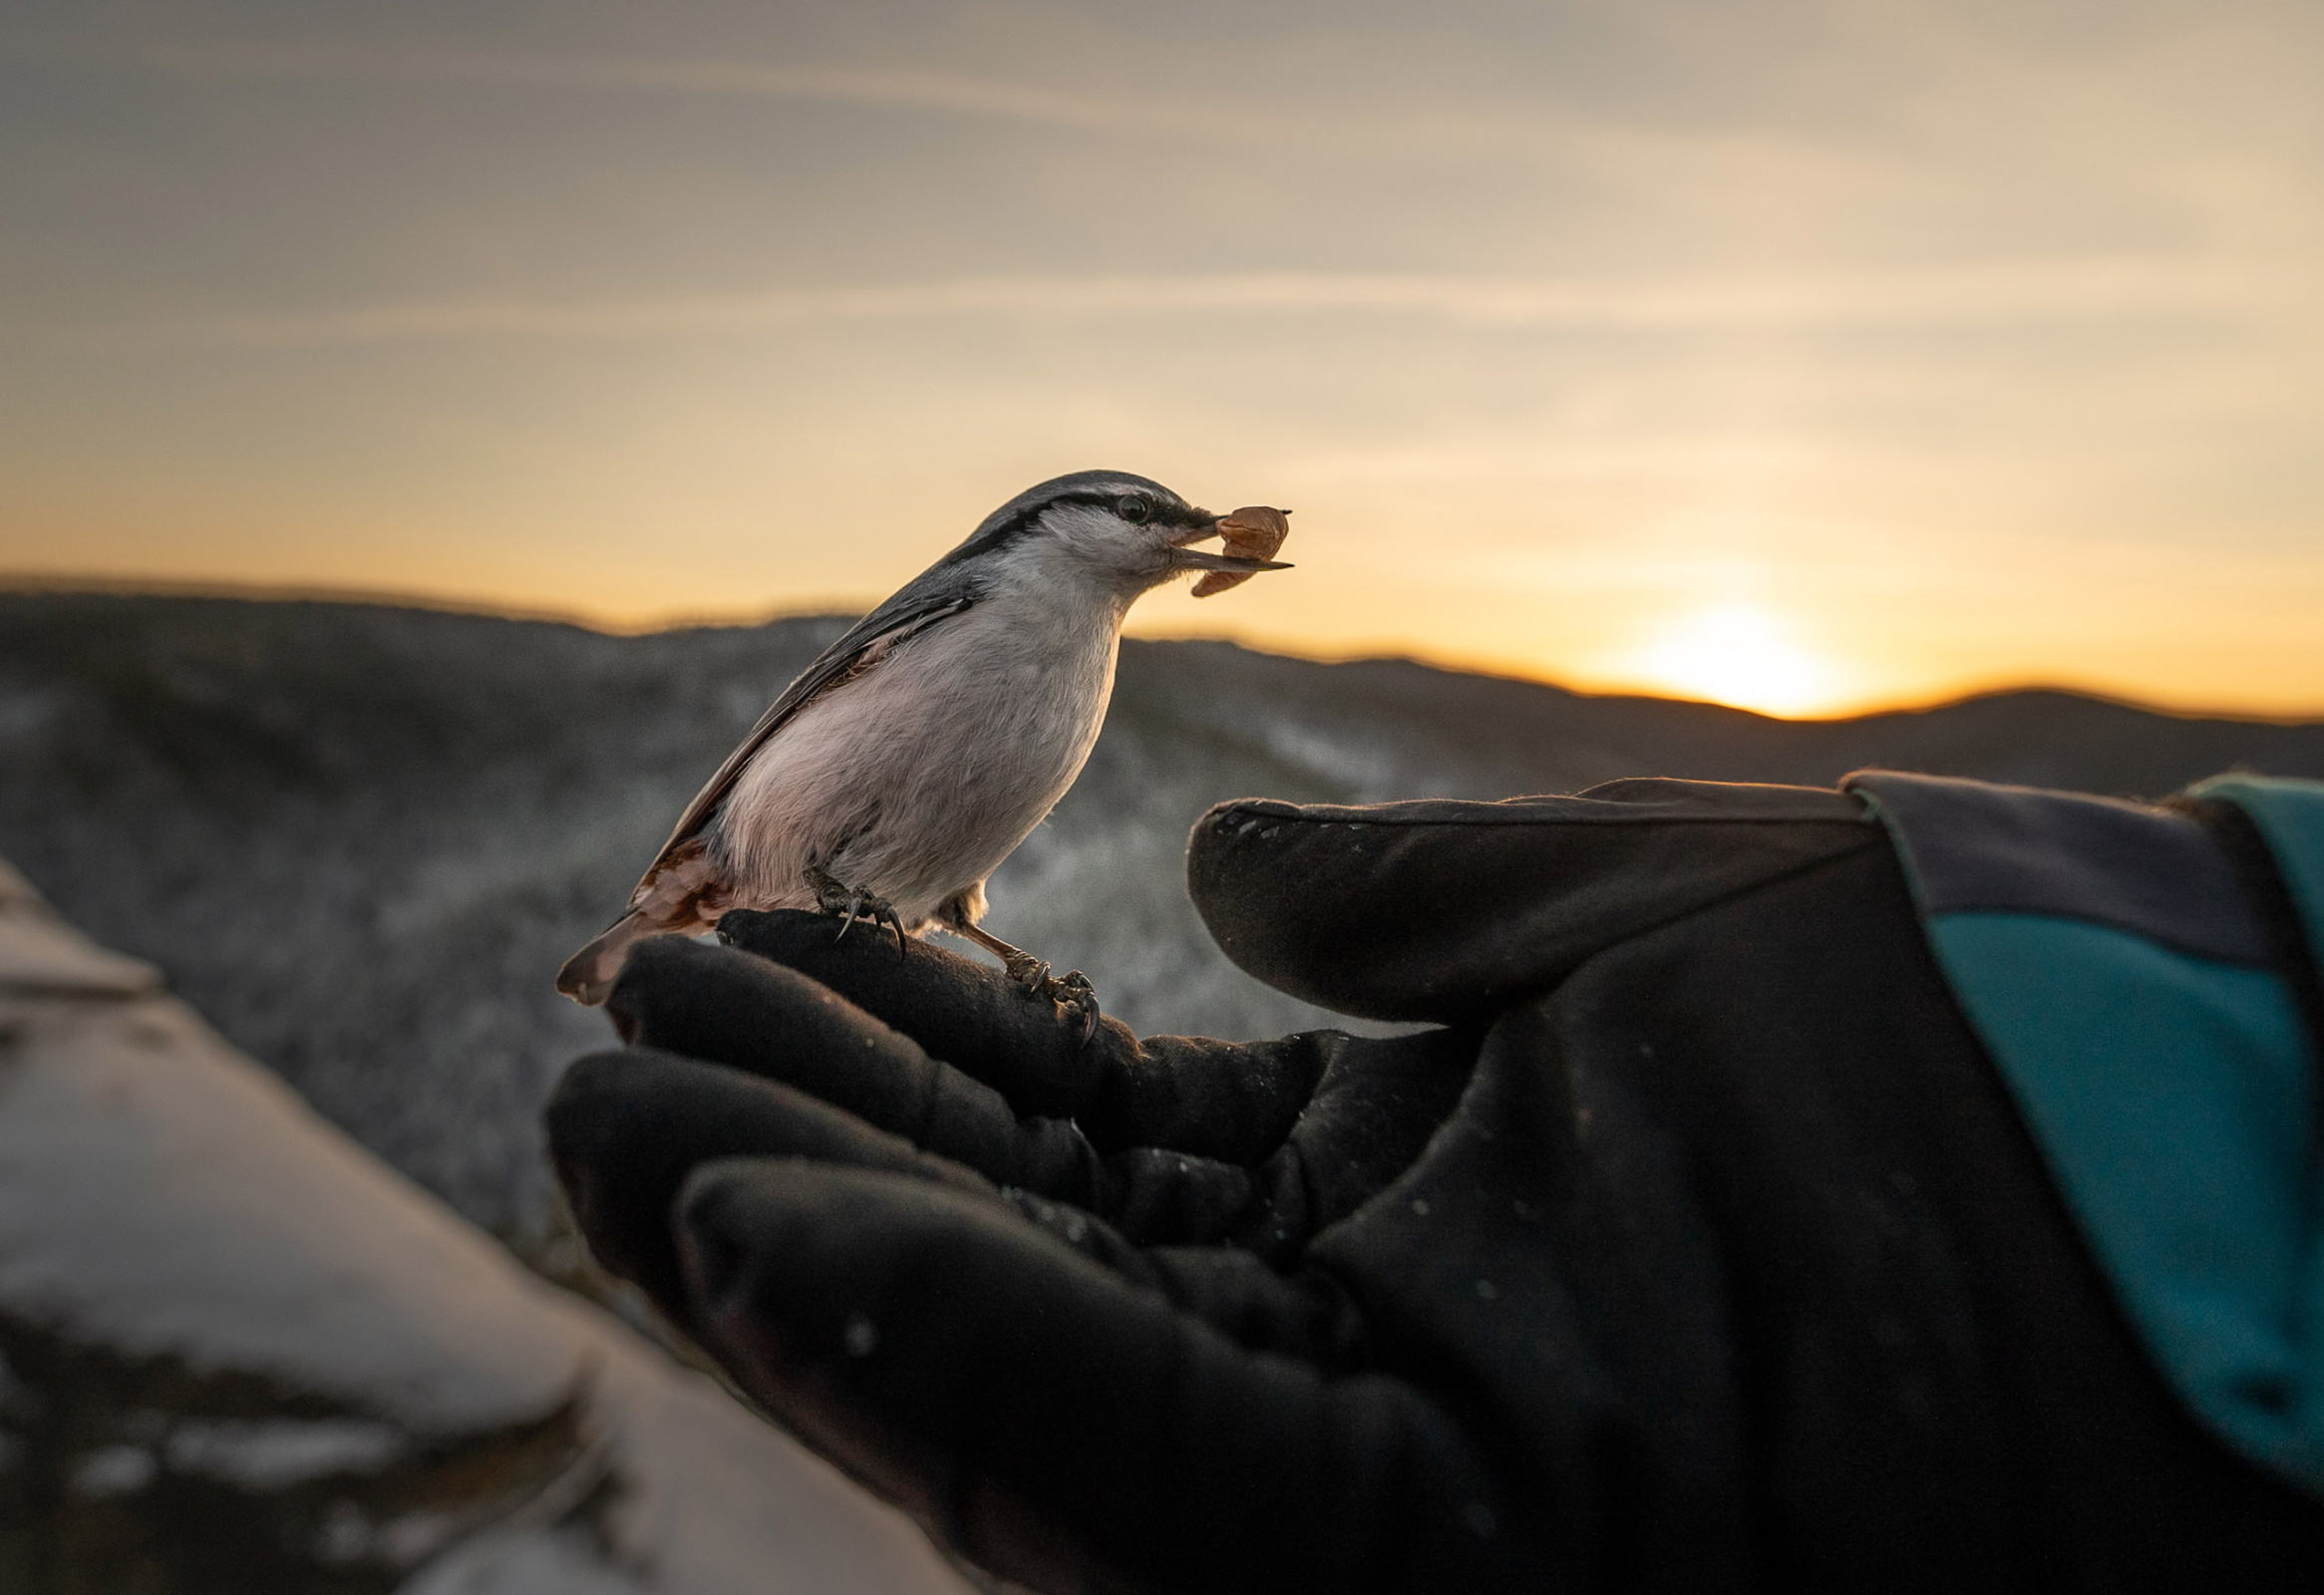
922	604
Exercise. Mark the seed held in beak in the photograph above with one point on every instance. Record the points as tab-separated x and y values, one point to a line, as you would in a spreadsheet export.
1249	535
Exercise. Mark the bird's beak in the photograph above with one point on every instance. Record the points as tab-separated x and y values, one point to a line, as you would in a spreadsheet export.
1186	559
1204	559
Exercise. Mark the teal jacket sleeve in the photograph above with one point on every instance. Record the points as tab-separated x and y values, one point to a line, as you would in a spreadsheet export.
2151	1005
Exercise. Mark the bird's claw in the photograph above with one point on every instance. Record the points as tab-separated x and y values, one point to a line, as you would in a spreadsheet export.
851	904
1076	992
1070	990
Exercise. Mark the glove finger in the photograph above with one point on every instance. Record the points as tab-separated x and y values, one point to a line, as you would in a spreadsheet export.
748	1023
1310	1126
1367	1120
1236	1291
625	1128
1306	1316
1034	1051
727	1007
1053	1424
1447	911
1243	1290
1229	1100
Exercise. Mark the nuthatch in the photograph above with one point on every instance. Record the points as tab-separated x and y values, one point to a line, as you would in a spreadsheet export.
919	750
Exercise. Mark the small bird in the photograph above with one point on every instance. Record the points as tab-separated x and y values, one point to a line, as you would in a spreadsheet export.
893	776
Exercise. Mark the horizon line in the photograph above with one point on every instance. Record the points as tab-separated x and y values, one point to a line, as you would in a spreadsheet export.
40	584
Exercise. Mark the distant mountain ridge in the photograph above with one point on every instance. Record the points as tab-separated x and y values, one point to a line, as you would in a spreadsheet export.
361	837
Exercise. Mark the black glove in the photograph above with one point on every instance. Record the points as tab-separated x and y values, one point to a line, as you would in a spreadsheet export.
1700	1248
1019	1291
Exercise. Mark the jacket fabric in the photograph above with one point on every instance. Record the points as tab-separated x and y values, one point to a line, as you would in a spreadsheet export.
2144	979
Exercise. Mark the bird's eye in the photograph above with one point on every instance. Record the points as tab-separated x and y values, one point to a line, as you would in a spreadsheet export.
1135	507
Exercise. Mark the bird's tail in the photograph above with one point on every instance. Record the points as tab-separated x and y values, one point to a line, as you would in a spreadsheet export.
684	892
588	975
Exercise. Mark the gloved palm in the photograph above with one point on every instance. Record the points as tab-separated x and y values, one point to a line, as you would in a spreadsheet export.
1018	1280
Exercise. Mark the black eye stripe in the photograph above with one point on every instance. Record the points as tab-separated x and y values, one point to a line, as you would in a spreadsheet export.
1166	510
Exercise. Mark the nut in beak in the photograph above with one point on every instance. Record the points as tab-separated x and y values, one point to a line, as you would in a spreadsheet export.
1250	536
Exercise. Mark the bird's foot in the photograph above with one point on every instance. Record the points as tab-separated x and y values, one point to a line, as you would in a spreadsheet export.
851	904
1071	990
1031	975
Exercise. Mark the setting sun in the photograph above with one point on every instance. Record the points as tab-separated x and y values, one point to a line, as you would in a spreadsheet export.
1736	654
1733	351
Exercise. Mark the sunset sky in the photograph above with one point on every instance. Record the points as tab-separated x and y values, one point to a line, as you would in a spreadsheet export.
1805	356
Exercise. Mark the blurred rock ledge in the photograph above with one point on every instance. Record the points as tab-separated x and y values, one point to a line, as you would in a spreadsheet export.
241	1355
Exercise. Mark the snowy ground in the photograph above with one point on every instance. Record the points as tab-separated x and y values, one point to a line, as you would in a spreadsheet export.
246	1356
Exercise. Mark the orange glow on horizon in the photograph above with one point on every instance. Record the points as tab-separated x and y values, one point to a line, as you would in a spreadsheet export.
1737	654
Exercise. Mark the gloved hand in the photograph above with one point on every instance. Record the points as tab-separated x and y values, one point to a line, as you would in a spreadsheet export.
1697	1248
1020	1290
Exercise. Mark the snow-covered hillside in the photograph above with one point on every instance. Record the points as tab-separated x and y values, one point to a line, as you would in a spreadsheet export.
360	838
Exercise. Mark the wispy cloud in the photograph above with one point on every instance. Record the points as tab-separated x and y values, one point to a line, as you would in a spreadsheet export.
2043	290
903	89
1187	112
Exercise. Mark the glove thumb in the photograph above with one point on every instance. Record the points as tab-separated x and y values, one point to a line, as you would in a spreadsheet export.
1445	911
